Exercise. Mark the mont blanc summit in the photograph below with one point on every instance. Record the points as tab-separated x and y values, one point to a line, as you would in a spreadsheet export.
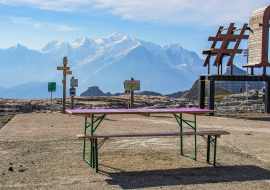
105	62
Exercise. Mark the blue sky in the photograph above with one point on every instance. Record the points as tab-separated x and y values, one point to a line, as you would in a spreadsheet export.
34	23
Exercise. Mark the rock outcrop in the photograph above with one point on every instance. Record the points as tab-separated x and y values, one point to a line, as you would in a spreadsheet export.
95	91
226	103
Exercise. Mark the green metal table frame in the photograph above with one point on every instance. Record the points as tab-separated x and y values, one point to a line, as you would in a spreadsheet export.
94	146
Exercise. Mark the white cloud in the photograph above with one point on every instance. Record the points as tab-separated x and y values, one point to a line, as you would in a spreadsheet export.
173	12
25	20
64	27
29	21
182	66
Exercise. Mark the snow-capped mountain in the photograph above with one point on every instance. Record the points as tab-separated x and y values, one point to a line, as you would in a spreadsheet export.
106	62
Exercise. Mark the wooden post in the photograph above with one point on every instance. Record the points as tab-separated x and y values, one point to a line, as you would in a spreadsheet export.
132	97
72	99
64	85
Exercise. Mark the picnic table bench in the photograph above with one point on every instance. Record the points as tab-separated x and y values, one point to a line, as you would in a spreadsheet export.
94	138
93	162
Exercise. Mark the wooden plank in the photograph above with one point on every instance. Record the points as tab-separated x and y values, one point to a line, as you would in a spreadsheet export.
68	72
62	68
112	135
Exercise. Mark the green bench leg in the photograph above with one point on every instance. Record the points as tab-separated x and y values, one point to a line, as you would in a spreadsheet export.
215	150
208	148
96	155
209	140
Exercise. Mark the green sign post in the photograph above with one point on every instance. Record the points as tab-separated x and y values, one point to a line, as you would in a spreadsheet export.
51	88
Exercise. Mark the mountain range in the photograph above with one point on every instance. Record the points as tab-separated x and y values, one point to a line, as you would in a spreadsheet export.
106	63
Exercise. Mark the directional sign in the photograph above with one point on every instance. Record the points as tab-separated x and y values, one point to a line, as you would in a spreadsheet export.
51	86
68	72
132	85
74	82
63	68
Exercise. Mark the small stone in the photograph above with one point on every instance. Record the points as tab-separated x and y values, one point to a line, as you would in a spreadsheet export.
11	163
10	169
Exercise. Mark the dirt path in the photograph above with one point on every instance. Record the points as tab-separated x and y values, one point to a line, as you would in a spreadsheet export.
44	153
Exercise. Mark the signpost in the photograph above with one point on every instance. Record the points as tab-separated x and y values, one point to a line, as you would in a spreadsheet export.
131	85
73	83
51	88
65	72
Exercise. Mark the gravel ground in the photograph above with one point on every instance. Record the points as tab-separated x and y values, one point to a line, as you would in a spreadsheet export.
41	151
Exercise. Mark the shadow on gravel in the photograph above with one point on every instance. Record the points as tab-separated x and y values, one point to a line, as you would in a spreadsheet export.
257	118
161	116
185	176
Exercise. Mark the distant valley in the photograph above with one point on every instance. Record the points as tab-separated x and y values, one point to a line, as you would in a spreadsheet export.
34	90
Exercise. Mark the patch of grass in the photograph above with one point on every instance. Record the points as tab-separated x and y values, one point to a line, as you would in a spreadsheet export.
5	119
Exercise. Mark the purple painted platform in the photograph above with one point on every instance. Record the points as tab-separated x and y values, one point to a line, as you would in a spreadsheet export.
138	111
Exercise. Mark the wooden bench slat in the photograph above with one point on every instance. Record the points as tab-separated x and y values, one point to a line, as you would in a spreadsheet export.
111	135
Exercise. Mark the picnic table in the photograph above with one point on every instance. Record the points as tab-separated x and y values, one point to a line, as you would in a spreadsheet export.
94	124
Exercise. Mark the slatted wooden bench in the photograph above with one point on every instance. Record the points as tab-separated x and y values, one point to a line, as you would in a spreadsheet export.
209	140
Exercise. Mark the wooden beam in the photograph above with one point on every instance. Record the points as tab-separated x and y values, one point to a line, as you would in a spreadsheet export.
68	72
63	68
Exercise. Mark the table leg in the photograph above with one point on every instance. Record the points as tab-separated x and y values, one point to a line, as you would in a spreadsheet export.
96	155
181	137
215	150
85	126
93	161
208	148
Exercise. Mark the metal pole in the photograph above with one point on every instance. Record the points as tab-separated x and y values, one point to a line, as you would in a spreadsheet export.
132	97
181	130
201	92
51	101
247	73
208	149
195	137
211	95
91	146
215	150
247	86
